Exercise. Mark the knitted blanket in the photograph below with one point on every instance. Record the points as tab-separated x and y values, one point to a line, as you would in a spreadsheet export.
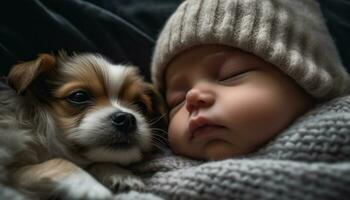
309	160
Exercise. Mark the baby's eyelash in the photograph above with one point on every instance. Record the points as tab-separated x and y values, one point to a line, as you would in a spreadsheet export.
233	75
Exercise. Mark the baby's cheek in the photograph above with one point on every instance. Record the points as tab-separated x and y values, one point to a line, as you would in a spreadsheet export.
177	134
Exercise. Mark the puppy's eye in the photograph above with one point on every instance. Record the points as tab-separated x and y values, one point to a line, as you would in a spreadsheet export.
79	98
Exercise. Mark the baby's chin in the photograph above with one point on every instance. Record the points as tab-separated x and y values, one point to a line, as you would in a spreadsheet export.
219	150
213	150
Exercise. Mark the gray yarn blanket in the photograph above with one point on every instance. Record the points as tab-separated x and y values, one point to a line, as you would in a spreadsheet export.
309	160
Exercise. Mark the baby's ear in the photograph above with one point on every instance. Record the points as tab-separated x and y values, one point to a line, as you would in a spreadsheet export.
23	74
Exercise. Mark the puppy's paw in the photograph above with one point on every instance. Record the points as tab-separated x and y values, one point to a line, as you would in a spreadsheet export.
83	187
122	183
116	178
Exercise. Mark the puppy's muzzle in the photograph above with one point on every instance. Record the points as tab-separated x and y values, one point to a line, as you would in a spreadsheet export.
124	122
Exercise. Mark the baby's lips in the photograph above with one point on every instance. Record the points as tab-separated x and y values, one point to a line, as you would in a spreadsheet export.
198	122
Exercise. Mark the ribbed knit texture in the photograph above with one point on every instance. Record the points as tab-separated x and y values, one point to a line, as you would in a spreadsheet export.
291	34
310	160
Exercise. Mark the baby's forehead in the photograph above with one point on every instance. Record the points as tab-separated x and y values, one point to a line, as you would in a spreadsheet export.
206	58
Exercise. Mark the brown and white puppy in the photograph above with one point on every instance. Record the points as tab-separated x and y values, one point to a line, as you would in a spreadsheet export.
69	120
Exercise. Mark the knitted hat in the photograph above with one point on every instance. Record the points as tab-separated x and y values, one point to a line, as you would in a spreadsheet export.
290	34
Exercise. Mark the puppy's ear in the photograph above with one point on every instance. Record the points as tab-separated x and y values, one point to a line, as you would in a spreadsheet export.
23	74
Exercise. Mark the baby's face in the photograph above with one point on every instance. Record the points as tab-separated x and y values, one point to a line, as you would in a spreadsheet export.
225	102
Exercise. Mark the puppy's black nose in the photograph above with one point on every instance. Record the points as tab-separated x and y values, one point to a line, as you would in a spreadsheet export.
124	122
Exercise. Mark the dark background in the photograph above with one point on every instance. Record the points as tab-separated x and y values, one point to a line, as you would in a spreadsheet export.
122	30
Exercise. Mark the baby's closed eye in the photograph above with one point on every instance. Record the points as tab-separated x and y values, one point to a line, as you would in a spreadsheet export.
231	76
174	98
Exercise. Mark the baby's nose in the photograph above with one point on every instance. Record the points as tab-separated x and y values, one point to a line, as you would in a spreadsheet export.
197	99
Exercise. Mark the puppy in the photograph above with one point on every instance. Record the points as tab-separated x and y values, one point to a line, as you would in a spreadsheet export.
72	121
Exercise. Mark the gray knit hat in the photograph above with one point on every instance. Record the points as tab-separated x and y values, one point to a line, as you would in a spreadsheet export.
291	34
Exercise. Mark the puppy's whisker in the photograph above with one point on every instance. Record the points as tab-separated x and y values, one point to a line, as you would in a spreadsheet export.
161	141
159	129
160	138
154	121
157	136
159	132
159	146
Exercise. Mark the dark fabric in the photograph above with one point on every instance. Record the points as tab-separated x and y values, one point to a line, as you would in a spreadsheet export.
337	14
31	27
147	15
3	86
122	30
